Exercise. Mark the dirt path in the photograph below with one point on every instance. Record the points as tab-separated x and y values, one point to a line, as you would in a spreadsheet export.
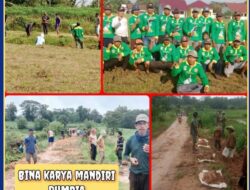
166	151
64	151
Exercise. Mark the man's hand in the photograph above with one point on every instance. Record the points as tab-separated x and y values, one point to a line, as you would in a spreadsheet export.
238	60
119	57
109	46
134	161
146	148
146	28
191	34
137	21
206	89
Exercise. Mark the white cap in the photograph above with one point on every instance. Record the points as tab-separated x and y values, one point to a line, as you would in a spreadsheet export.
142	117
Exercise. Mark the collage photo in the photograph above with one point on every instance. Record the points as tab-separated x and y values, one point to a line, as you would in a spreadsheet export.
125	95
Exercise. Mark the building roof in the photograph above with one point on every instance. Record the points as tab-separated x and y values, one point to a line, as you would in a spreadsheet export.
198	4
239	7
180	4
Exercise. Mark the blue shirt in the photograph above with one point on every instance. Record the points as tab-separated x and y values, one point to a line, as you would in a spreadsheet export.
30	143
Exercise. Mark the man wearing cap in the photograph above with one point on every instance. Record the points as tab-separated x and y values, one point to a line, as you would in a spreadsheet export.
31	147
167	54
235	57
135	26
182	51
164	19
140	57
118	54
150	25
78	33
218	34
193	29
237	29
230	147
194	130
175	27
187	73
120	24
108	30
137	152
208	57
206	21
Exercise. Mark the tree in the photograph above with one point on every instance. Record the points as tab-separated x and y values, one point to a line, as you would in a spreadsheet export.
83	113
30	109
11	112
22	123
95	116
41	124
45	113
64	119
55	126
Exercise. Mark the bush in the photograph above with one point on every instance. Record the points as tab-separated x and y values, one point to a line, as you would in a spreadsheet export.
22	123
41	123
55	126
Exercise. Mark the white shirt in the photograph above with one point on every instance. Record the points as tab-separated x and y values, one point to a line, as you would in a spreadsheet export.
40	41
51	133
121	26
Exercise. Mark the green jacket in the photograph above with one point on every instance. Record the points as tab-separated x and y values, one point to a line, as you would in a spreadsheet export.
206	56
163	23
167	53
137	32
176	26
181	53
78	33
152	21
206	24
114	51
143	54
108	30
232	53
218	32
106	54
188	74
193	25
236	29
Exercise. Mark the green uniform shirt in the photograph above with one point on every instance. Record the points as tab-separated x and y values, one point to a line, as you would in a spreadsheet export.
114	51
181	52
106	54
232	53
206	56
218	32
188	74
137	32
152	21
236	29
108	31
193	25
206	24
167	53
176	26
78	32
163	22
144	54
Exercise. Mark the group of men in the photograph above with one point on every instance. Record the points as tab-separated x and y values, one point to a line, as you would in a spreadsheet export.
186	47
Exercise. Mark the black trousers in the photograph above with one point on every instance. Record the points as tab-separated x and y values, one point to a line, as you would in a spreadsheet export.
78	41
110	64
45	28
157	66
138	181
93	152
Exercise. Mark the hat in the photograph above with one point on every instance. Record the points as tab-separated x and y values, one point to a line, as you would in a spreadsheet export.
176	11
167	7
150	6
206	9
237	13
219	15
138	42
195	10
208	41
107	7
166	38
230	128
193	53
184	39
141	117
117	39
135	8
121	9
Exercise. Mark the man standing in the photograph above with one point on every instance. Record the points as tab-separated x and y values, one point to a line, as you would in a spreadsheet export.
194	130
45	23
135	26
150	24
164	20
78	35
31	147
206	21
235	57
120	24
137	152
119	147
108	31
237	29
29	27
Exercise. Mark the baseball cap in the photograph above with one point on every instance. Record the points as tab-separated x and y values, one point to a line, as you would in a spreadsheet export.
141	117
193	53
117	39
138	42
150	6
167	7
184	39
